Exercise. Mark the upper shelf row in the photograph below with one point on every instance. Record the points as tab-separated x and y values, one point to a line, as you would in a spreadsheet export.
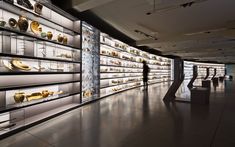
40	12
114	46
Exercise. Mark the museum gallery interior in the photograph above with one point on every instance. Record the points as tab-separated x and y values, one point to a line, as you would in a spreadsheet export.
71	73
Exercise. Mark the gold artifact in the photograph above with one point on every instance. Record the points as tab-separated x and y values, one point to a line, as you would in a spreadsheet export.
45	93
60	38
19	97
35	27
34	96
87	93
49	35
18	64
65	39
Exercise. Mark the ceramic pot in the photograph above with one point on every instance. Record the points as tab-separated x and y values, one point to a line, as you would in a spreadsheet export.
2	23
19	97
43	34
38	8
60	38
65	40
49	35
23	23
12	23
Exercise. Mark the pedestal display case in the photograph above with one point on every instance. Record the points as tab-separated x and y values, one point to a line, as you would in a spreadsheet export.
121	66
90	63
40	60
188	69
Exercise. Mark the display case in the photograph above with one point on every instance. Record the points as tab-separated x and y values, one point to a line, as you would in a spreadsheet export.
40	60
90	63
121	66
188	69
160	69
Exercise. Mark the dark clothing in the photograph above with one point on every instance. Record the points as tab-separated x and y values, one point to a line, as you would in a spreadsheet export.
145	72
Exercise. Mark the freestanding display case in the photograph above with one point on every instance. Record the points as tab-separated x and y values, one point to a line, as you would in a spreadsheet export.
188	69
40	60
90	63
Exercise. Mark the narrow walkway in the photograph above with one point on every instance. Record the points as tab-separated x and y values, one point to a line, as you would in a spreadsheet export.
138	119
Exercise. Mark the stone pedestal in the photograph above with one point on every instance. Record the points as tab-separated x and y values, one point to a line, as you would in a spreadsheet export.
200	96
206	84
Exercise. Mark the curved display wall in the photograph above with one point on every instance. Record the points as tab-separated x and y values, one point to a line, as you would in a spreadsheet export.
39	63
50	63
121	66
188	69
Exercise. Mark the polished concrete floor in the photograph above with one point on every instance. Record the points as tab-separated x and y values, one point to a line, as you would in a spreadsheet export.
139	119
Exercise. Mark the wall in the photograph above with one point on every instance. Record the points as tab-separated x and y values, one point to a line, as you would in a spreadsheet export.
230	69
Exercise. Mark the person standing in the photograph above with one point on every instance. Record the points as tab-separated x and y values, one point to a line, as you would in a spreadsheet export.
145	74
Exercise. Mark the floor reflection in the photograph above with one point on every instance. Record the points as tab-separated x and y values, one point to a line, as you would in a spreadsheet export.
134	118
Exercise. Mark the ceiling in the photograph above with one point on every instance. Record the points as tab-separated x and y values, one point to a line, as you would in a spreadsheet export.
202	31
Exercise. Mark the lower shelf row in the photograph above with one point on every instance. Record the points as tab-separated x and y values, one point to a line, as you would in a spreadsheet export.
15	119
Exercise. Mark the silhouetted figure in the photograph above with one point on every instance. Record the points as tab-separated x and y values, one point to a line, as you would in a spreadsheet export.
145	74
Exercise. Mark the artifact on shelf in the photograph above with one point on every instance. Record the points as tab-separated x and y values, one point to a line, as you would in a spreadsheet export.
46	93
25	3
7	64
39	68
125	57
64	56
114	54
19	97
38	8
87	93
56	69
19	65
104	70
35	27
116	89
145	55
58	92
154	58
2	23
49	35
60	38
43	34
115	62
115	82
34	96
65	39
23	23
41	95
86	49
12	23
103	52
